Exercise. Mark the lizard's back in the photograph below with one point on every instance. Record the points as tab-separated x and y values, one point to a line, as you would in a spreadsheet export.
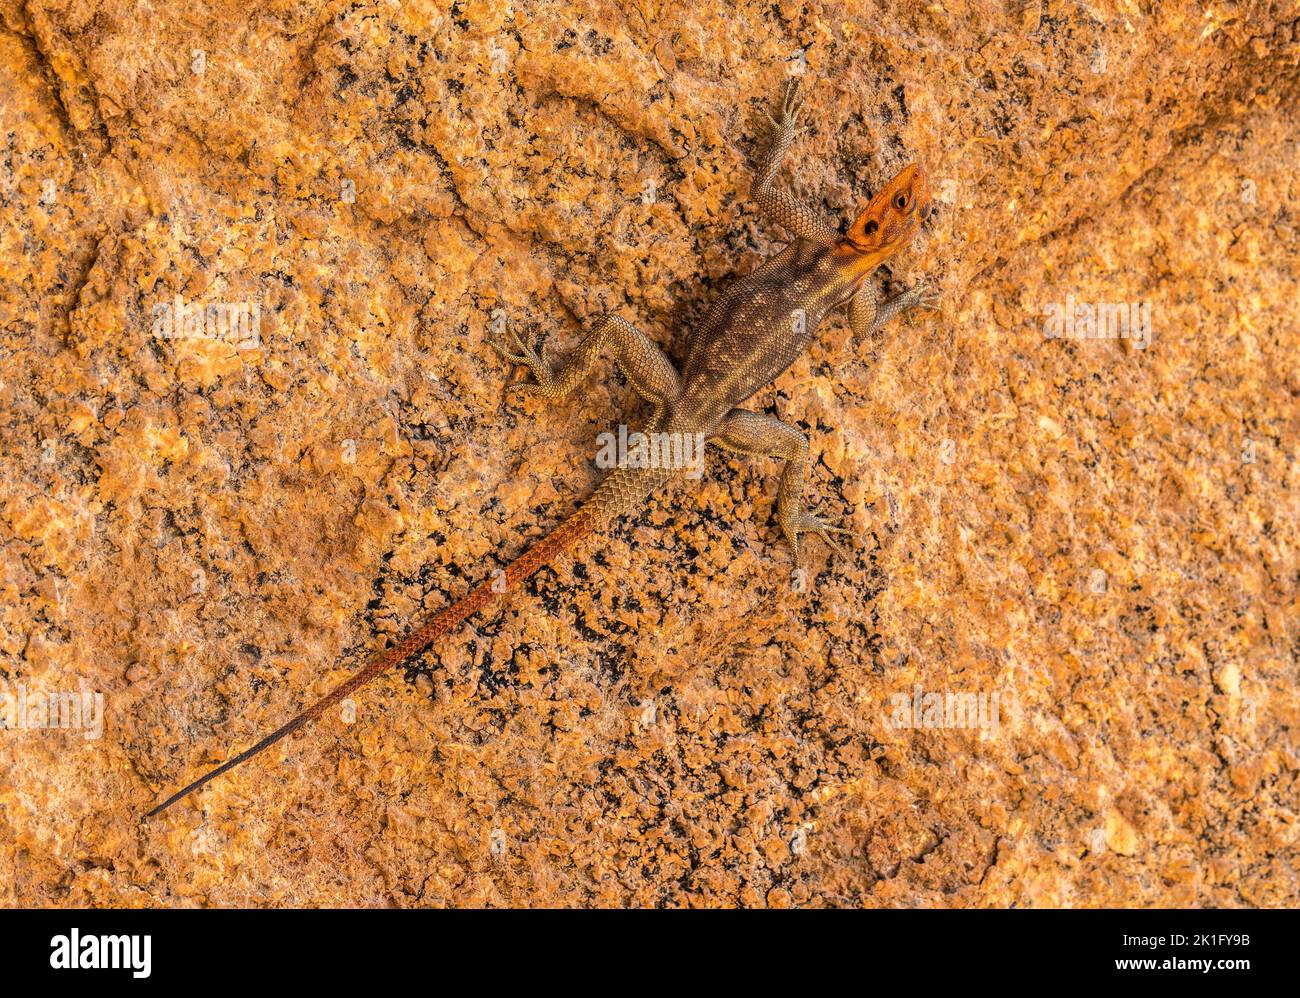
756	328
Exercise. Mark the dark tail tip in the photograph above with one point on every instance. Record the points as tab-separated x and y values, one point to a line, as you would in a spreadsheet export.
184	793
228	765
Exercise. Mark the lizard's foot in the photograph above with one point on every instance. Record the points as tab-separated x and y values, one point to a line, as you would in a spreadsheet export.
804	522
789	110
532	356
923	295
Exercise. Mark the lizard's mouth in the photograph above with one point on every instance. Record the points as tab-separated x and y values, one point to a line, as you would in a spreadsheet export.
860	247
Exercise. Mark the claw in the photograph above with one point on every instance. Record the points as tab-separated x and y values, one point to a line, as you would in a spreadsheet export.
925	295
531	355
514	358
790	105
809	523
824	532
527	355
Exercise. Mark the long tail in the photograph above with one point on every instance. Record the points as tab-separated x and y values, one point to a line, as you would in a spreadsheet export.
617	490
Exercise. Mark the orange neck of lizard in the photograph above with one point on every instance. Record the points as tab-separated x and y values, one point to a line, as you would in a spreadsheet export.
855	262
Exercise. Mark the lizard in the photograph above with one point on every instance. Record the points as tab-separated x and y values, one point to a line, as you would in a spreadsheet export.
748	336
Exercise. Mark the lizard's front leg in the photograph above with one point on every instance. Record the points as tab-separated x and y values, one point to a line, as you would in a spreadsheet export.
766	436
646	367
867	312
779	206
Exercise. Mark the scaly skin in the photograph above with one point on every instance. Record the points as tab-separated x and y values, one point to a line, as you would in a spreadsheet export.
750	334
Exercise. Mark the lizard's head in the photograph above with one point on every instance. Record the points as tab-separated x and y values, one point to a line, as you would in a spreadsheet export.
892	218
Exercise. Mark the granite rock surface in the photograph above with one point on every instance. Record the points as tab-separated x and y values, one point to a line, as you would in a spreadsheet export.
252	256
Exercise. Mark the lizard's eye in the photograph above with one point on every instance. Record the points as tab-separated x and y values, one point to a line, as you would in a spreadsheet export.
870	227
900	200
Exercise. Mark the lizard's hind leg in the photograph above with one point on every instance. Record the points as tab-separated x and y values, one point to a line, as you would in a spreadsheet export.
646	367
762	435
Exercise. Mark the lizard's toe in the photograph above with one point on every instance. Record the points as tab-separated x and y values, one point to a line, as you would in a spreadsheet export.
790	107
514	358
809	523
926	295
525	346
824	532
529	356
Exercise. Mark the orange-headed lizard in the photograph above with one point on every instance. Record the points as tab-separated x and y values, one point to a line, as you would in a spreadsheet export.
749	335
